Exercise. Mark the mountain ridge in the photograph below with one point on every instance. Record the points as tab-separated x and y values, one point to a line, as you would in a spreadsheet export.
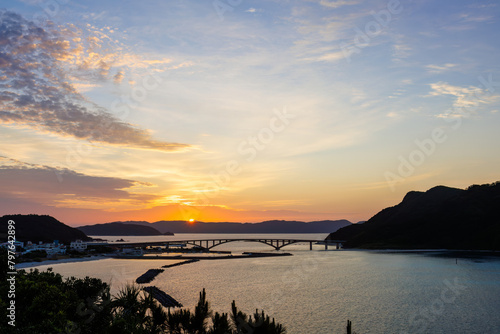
118	228
441	217
43	228
270	226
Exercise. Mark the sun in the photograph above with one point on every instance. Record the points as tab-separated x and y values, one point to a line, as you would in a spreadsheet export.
191	221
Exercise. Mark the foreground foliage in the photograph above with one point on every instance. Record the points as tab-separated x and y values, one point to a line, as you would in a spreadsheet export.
47	303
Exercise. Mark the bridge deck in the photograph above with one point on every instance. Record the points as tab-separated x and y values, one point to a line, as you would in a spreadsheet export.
210	243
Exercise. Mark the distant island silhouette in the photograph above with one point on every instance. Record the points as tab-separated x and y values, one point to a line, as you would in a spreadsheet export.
180	226
46	228
440	218
120	229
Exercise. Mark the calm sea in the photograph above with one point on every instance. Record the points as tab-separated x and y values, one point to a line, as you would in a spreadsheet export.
318	291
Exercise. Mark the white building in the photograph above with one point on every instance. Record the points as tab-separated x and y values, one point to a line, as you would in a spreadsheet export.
54	248
16	243
50	248
78	245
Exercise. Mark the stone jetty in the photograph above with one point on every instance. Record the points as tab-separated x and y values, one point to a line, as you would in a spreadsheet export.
148	276
162	297
180	263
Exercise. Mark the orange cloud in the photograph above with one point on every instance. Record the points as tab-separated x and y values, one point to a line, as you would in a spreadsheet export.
39	93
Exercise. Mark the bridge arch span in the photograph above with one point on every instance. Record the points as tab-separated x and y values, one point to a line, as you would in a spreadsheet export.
277	244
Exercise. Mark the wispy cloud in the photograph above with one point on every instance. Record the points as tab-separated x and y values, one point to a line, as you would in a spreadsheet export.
319	36
331	30
467	17
327	57
469	98
401	49
338	3
440	68
468	21
253	10
38	65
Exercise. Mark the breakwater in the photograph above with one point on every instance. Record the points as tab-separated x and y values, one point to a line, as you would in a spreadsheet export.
199	257
180	263
148	276
163	298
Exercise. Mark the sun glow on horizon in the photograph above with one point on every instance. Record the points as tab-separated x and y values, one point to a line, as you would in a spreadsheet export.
159	130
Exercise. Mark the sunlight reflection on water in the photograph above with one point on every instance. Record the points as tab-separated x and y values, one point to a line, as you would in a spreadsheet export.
316	292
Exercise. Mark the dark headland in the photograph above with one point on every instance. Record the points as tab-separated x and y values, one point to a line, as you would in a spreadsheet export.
40	228
440	218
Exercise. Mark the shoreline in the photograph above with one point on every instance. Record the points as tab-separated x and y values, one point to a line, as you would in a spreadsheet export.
34	264
197	257
24	265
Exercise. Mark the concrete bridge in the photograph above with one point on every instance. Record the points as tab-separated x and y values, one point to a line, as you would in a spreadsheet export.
208	244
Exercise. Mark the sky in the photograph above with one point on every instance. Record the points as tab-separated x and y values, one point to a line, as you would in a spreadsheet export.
234	110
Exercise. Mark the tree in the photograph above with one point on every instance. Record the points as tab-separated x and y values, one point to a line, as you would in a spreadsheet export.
134	311
47	303
185	322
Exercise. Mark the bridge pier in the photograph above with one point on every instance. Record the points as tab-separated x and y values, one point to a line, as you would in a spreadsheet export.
207	244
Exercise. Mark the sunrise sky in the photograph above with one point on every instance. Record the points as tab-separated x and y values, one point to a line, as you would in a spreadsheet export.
243	110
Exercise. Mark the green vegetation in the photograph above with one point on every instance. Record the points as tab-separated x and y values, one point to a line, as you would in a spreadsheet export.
47	303
36	254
